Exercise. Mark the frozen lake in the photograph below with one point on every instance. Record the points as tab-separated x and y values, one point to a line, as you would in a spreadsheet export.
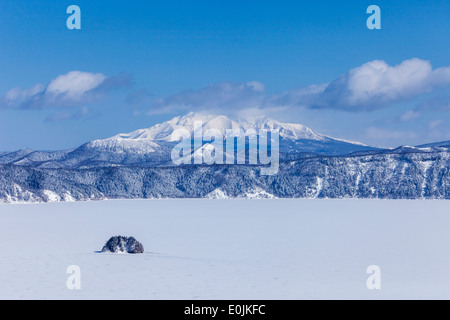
228	249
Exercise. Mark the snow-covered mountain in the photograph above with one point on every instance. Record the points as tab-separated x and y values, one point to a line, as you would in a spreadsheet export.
436	145
167	131
153	146
381	175
164	131
138	165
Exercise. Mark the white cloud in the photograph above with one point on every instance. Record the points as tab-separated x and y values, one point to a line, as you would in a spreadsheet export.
378	81
372	86
409	115
220	97
74	84
18	94
71	89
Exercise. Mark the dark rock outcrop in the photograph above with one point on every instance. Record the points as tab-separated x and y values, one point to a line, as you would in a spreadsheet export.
120	244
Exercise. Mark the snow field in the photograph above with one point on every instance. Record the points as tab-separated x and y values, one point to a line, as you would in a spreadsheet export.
228	249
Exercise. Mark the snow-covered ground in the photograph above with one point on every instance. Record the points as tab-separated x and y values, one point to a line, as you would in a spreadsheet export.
228	249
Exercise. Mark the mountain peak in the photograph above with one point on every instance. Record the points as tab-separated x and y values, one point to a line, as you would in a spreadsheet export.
163	131
294	137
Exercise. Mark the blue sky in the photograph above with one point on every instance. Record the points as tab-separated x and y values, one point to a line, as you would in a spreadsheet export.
137	63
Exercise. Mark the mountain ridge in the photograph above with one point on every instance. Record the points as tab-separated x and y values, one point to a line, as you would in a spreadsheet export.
137	165
152	146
